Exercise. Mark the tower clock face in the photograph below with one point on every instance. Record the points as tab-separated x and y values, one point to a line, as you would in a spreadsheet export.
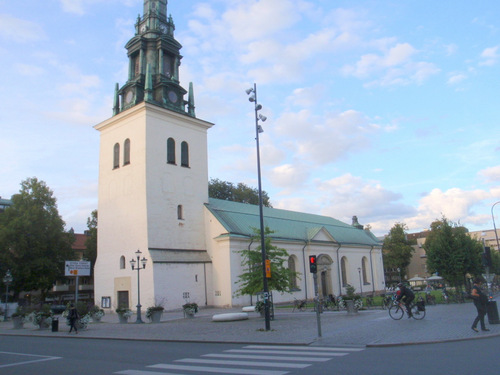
128	97
172	96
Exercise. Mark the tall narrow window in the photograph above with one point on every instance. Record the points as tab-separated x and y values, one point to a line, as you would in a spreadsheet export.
364	264
180	215
343	268
122	262
116	156
184	154
170	151
293	277
126	152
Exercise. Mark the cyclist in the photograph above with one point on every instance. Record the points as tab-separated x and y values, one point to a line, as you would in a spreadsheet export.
408	296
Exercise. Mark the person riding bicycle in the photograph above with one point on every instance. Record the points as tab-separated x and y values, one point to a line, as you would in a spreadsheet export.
407	294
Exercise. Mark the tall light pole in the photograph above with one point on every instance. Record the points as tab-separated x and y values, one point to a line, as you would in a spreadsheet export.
494	226
133	263
252	92
7	280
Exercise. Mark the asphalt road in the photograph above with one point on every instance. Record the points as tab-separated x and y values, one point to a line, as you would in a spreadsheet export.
43	355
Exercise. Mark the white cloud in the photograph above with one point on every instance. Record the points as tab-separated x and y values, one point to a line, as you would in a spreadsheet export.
491	175
489	56
19	30
456	78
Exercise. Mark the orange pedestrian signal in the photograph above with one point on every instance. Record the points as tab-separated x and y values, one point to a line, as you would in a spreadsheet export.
268	269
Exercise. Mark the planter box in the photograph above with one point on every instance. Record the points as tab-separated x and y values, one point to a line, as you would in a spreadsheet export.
18	322
156	316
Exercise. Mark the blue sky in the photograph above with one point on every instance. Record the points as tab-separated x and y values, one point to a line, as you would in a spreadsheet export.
387	110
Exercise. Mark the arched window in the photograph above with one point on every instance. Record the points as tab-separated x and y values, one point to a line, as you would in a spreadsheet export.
116	156
343	269
364	266
126	152
122	262
184	154
180	214
293	277
170	151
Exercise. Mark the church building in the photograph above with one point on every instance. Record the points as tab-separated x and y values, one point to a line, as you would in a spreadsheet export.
153	198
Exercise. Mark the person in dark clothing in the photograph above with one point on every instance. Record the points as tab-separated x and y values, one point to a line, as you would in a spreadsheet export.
406	295
480	301
73	317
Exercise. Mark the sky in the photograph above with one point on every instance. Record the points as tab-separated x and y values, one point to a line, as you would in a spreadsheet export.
387	110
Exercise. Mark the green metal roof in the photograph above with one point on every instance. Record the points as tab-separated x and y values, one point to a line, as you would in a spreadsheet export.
239	219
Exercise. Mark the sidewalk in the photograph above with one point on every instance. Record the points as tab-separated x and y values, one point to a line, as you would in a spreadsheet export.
365	328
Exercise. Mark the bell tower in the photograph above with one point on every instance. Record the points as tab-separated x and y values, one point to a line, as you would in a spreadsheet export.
153	177
154	60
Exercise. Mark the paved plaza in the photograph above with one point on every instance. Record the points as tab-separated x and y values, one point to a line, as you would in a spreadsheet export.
371	327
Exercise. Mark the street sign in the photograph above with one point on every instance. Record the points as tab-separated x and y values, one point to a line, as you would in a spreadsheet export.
77	268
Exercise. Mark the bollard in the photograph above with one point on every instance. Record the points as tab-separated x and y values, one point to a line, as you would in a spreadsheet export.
55	324
491	309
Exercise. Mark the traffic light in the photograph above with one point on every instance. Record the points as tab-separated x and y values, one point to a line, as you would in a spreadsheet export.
487	257
313	267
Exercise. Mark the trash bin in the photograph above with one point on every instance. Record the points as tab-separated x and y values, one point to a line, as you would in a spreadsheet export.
491	309
55	324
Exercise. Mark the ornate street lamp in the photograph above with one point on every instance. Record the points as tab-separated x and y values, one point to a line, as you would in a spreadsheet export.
252	92
136	265
7	280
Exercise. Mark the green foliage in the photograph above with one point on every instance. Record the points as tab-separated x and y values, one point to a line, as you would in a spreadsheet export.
251	281
91	241
397	249
240	193
33	242
451	252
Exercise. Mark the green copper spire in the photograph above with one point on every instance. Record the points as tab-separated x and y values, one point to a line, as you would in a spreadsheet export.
116	101
191	100
154	61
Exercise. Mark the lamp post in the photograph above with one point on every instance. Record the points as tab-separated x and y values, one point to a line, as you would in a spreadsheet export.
7	280
133	263
360	284
494	226
252	92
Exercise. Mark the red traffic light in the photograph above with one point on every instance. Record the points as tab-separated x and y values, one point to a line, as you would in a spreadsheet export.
312	264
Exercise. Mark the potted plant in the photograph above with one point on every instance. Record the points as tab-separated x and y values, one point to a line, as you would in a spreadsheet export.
123	314
352	302
190	308
154	313
96	313
41	318
19	317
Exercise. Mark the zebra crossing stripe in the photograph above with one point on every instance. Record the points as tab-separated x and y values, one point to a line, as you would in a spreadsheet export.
305	348
243	363
142	372
271	357
333	354
217	370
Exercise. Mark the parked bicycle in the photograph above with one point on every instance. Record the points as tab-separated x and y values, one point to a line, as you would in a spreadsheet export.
388	301
397	310
300	305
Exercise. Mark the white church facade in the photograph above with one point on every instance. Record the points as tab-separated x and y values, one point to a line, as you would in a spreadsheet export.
153	197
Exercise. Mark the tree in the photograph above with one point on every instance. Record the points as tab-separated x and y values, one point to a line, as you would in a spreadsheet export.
91	241
251	281
240	193
397	249
452	252
33	242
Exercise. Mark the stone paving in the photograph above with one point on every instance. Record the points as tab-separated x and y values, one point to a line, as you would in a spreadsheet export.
371	327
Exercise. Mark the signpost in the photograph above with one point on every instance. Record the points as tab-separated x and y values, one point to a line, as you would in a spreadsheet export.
76	268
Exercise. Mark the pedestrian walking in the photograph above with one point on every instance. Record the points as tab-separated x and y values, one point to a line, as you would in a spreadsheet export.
480	301
73	317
